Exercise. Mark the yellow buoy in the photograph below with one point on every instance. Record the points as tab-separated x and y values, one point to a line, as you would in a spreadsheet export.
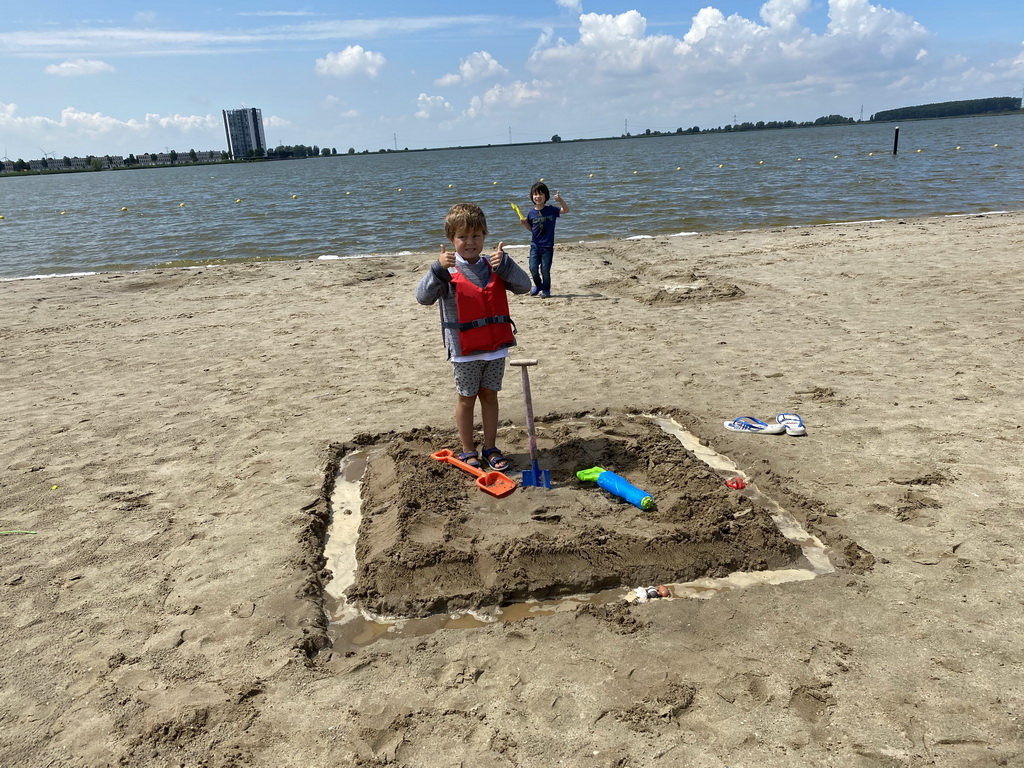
123	208
799	159
542	178
450	186
995	145
61	213
348	193
760	162
181	205
295	197
494	182
721	166
591	176
679	168
920	150
238	200
635	172
835	157
399	189
958	147
871	154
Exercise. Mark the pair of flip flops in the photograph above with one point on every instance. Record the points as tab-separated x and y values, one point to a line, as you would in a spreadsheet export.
790	423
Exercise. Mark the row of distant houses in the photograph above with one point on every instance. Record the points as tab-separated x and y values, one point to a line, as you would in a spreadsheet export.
143	159
243	129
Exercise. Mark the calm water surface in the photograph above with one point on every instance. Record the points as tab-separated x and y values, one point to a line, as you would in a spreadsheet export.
365	205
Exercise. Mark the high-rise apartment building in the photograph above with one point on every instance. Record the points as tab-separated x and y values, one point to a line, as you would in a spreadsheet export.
244	129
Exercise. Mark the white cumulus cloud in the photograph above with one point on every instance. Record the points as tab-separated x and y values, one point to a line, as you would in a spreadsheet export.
727	63
784	14
474	68
99	131
613	45
78	68
432	107
501	98
354	61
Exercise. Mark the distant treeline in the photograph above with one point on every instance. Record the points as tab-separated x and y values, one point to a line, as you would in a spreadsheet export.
950	109
287	151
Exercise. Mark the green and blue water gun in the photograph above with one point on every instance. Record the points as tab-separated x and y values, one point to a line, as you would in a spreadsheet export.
618	485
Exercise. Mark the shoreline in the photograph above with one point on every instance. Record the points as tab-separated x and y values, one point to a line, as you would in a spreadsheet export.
406	252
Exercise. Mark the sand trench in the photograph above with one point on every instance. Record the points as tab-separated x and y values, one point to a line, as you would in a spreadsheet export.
414	546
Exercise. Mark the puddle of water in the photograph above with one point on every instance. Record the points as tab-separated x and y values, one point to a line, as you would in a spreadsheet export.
351	626
362	629
343	531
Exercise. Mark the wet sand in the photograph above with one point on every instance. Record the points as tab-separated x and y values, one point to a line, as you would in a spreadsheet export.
170	437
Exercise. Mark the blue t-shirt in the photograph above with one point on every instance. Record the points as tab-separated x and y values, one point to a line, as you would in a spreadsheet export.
543	223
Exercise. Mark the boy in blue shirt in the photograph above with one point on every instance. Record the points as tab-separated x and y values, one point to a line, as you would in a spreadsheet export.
540	220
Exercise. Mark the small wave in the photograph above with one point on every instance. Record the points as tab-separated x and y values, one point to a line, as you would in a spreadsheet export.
335	257
981	213
42	277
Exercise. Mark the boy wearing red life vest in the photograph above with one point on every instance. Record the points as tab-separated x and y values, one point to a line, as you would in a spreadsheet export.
475	324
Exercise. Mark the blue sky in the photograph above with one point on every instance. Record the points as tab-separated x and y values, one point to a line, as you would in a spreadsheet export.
115	78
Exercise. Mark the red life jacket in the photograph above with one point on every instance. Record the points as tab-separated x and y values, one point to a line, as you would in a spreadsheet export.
484	323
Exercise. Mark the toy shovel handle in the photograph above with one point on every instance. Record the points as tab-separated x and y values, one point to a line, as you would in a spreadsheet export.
494	483
528	401
449	457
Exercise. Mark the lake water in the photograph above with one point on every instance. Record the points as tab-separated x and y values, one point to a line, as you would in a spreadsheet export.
378	204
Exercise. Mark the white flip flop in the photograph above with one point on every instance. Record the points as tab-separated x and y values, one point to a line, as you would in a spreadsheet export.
792	423
750	424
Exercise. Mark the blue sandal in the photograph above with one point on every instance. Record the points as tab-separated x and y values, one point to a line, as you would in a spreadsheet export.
471	458
495	460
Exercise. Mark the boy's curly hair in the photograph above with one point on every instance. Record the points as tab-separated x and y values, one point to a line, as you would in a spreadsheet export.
464	217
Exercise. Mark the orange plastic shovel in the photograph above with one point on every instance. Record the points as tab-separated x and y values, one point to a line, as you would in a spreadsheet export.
494	483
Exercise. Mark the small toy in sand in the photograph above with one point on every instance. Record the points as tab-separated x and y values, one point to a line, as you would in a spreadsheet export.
618	485
643	594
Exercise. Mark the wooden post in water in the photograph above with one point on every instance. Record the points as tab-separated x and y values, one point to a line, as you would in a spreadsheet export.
896	141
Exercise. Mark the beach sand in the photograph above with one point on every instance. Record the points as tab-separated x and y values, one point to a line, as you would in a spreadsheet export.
174	440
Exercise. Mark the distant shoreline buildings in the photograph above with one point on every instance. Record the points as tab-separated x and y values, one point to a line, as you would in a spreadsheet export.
103	162
243	129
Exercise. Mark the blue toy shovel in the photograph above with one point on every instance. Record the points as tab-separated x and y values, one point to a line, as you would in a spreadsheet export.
535	476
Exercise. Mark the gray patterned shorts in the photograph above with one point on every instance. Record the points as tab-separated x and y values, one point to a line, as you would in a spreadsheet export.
471	376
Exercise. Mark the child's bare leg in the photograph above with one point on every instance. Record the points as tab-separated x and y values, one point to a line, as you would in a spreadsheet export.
489	415
464	407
